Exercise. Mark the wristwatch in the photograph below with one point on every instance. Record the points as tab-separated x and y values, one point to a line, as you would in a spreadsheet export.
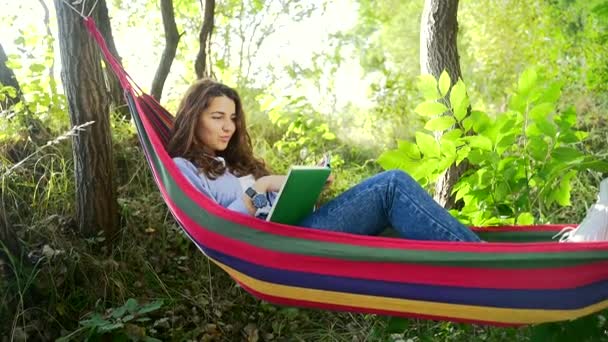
259	200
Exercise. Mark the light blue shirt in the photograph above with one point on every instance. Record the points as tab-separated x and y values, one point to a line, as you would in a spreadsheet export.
226	189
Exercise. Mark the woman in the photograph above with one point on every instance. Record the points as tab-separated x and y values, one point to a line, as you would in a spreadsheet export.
211	147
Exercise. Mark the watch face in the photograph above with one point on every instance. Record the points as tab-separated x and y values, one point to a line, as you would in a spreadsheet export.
251	192
260	201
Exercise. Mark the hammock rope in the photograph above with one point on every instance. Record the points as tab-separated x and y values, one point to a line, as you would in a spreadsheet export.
521	277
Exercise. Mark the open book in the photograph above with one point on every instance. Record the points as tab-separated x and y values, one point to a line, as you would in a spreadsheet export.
299	193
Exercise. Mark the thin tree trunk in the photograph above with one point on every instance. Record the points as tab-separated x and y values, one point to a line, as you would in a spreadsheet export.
119	103
7	78
439	52
96	206
47	25
171	42
205	39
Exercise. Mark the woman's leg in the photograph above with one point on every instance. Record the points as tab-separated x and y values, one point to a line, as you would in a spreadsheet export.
391	198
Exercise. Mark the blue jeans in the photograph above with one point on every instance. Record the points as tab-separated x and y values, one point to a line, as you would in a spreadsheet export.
391	198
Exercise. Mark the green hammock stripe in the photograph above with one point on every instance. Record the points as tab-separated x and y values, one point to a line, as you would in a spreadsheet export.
529	236
353	252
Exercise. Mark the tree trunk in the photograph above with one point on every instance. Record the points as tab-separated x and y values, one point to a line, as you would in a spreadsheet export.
205	39
171	41
8	237
96	206
119	103
439	52
7	78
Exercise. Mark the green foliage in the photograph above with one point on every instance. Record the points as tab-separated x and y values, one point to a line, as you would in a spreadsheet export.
523	160
306	134
126	322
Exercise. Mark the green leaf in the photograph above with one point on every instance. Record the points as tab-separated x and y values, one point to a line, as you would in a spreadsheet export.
479	142
95	321
444	83
410	149
459	100
481	121
10	91
329	136
428	86
538	148
541	111
431	108
467	123
110	327
526	81
561	193
395	159
448	149
150	307
517	103
476	157
119	312
566	154
540	114
524	219
452	136
131	305
391	159
551	94
36	67
505	142
595	165
462	153
567	118
440	124
427	144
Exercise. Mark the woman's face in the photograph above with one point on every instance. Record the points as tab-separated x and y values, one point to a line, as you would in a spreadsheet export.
217	124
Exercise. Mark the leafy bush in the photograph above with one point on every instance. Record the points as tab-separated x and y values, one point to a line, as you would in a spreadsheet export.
125	322
522	160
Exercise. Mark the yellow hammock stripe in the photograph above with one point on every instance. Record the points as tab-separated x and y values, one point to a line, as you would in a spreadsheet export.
471	312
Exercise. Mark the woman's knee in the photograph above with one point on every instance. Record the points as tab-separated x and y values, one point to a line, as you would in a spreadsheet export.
398	177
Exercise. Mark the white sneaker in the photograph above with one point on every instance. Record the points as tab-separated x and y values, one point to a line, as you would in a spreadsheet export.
595	225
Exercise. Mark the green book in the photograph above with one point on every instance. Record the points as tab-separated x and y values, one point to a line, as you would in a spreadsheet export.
299	193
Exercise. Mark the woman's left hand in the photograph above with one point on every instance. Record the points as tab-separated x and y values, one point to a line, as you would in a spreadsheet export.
329	181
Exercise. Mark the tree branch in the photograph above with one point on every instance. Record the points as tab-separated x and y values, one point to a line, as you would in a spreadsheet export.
116	92
205	39
47	25
171	41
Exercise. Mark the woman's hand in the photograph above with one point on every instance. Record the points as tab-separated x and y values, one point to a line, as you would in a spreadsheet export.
262	185
270	183
329	181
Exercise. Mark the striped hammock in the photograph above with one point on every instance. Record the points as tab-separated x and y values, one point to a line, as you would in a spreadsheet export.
520	277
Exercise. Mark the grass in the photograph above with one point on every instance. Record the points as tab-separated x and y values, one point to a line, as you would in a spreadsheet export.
69	286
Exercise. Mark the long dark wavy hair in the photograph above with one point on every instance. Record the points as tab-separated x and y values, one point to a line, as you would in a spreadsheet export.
184	143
